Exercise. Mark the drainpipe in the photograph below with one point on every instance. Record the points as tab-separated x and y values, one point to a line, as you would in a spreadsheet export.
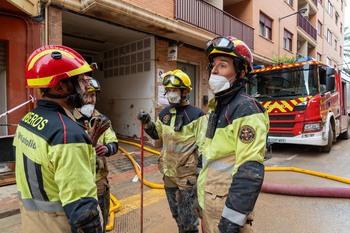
47	22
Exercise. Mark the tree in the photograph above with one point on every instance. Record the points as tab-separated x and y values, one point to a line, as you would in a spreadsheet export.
281	59
346	42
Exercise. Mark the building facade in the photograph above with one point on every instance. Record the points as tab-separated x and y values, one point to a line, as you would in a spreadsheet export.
135	41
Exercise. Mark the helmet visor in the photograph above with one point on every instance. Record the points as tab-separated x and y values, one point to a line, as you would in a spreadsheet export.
94	84
222	44
173	80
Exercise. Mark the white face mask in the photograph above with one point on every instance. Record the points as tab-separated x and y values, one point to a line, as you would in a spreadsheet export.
218	83
87	110
173	98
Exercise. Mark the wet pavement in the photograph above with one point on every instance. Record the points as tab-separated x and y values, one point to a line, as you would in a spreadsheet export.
274	212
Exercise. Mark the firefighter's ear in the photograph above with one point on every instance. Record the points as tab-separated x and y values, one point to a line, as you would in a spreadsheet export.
242	74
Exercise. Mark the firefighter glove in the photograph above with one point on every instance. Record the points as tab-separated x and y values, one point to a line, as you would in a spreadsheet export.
143	116
99	125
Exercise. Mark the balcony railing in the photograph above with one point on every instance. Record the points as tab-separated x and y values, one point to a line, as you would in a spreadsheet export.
307	27
210	18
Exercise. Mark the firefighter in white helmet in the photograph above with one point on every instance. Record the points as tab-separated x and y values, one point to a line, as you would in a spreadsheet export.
177	126
233	171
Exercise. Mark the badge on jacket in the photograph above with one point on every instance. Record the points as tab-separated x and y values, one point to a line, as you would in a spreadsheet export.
247	134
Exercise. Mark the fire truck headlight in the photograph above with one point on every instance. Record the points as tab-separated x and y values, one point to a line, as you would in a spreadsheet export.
312	127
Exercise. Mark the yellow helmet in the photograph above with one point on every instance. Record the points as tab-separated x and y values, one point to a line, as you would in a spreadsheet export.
94	84
176	79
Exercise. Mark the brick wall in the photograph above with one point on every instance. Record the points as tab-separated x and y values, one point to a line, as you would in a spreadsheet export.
187	55
162	7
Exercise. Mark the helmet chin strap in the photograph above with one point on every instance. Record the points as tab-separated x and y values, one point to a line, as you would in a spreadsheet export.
75	99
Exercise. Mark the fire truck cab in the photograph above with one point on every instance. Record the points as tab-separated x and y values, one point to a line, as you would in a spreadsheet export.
308	102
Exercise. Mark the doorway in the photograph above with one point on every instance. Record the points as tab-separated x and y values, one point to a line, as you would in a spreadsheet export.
190	70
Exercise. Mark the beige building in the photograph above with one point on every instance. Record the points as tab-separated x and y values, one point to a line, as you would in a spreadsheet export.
134	41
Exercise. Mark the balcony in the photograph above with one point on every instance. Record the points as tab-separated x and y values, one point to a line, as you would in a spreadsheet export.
307	27
210	18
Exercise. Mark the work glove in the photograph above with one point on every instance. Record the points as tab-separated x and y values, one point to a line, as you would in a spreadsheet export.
99	125
196	207
144	117
101	150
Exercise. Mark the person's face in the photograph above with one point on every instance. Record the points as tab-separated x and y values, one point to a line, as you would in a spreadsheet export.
223	66
84	85
176	90
90	97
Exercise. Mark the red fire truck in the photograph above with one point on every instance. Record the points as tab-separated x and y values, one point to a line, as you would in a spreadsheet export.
308	102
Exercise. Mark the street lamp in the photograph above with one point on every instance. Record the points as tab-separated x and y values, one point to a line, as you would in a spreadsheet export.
301	10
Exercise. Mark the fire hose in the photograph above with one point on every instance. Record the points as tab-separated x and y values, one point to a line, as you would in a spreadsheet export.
308	191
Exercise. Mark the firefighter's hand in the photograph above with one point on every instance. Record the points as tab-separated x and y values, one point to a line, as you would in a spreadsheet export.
143	116
100	124
196	208
101	150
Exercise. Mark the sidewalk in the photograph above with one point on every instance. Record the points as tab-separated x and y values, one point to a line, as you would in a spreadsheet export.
156	213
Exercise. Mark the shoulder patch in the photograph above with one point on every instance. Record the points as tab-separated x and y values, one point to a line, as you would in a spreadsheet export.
166	119
246	134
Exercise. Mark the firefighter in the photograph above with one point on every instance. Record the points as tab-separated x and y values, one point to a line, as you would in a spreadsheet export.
177	126
55	160
106	146
232	167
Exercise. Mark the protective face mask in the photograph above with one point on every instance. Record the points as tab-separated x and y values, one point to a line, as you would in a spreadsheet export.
218	83
173	98
87	110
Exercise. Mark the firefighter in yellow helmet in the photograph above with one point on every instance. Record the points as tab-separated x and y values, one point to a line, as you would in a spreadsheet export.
232	168
55	158
106	146
177	126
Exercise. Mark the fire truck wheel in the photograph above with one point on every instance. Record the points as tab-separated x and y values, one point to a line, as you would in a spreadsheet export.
327	148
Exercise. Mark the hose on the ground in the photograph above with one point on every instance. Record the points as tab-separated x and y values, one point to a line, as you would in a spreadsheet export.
267	188
114	203
307	191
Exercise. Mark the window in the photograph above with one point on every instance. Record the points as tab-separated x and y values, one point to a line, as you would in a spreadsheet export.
330	8
265	26
319	28
319	57
336	18
289	2
287	40
329	36
329	61
341	28
335	45
340	51
342	5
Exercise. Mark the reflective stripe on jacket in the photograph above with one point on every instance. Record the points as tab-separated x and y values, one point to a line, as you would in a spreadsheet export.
179	155
242	125
55	161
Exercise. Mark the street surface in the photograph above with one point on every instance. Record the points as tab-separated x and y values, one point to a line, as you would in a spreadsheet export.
273	213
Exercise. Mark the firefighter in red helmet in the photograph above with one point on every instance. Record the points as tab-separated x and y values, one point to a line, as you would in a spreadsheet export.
232	168
55	158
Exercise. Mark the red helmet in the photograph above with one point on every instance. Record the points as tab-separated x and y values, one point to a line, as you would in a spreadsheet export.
230	46
49	64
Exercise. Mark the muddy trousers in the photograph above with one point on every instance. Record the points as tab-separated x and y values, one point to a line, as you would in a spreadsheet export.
104	203
180	203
